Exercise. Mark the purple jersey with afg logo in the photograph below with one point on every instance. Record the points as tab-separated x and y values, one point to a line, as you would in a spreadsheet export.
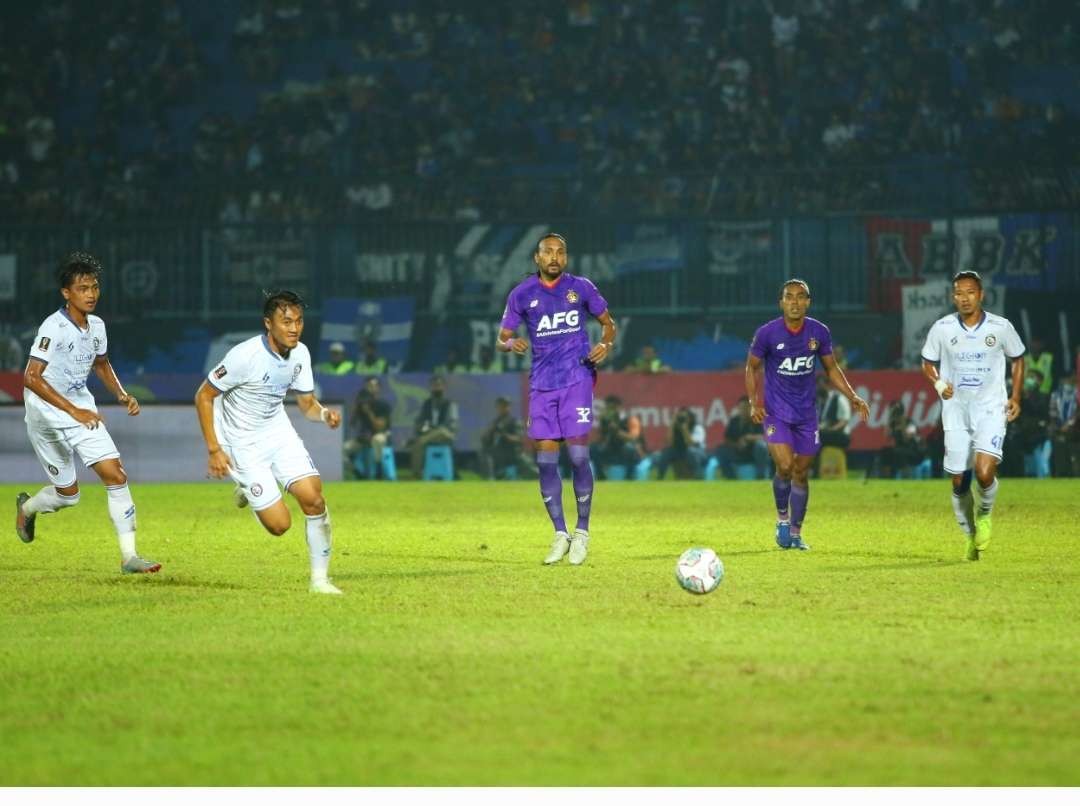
791	361
555	318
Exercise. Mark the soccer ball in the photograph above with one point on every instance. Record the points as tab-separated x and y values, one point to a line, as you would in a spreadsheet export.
699	570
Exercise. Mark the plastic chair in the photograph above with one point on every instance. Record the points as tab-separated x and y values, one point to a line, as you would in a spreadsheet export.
438	463
642	468
746	472
711	468
615	472
389	464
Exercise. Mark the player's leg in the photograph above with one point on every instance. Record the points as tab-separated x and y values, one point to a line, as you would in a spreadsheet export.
121	512
543	429
800	497
957	463
779	439
308	494
58	461
575	422
988	439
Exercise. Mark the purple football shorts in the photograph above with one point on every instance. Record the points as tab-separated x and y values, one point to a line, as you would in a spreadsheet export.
561	413
802	437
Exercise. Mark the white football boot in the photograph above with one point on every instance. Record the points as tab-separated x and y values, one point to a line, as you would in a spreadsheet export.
579	547
325	586
559	546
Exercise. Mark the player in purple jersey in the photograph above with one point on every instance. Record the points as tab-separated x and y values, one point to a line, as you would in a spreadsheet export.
553	305
787	350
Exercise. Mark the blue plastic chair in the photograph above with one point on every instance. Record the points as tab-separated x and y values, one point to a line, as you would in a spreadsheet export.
363	463
747	472
642	468
615	472
711	467
438	463
389	464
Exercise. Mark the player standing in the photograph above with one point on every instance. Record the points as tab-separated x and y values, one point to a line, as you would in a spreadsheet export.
964	357
787	350
249	435
553	304
62	418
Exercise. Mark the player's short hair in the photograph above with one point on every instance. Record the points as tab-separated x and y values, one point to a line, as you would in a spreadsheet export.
795	281
968	274
543	238
279	300
75	263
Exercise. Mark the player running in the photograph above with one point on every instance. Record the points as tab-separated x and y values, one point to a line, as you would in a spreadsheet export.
553	304
964	357
249	435
62	418
787	350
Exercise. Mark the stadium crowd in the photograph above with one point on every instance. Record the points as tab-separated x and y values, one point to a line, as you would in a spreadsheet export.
263	110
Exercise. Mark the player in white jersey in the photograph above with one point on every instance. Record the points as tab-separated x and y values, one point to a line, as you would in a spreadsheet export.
62	419
964	357
249	436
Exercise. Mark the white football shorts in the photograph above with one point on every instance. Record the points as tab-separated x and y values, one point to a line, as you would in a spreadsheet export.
975	429
56	447
260	468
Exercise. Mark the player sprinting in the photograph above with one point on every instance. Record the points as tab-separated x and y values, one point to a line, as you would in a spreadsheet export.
553	304
62	419
787	350
964	358
249	435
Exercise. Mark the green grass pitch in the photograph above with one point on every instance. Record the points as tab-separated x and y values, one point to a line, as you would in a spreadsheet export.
456	658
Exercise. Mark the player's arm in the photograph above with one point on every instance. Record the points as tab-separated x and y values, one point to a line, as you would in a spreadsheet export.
603	348
750	377
930	372
313	410
507	343
36	383
103	368
840	383
217	461
1012	408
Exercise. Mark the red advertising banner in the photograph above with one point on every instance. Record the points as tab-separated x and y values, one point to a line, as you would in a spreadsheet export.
11	387
712	397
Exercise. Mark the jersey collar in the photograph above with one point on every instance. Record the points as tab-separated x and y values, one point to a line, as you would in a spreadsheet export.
266	344
960	319
63	310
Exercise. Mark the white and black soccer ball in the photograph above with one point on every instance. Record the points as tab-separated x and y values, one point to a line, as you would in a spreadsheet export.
699	570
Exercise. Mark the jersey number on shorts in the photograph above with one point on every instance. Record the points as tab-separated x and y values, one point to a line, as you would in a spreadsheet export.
583	414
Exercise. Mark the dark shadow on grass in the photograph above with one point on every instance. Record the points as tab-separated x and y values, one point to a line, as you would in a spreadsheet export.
402	574
173	582
898	566
458	558
722	554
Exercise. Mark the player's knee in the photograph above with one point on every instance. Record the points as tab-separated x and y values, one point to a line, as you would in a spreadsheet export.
579	455
985	477
785	469
313	505
277	528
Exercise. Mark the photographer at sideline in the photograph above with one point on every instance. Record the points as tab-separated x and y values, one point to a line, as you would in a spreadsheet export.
501	445
687	444
620	440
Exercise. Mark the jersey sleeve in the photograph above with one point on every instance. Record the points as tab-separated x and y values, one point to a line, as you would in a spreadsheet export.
231	372
1012	344
304	382
45	343
595	303
931	350
512	314
758	346
825	346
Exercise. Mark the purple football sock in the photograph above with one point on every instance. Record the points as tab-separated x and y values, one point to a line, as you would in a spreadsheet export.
547	462
781	489
800	496
583	483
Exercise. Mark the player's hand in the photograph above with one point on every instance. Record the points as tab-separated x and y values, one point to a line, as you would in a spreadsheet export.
131	403
91	419
948	393
519	345
757	413
218	464
862	407
330	417
598	353
1012	409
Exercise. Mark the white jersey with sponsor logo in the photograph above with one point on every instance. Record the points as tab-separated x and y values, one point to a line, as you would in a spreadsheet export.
68	352
253	381
973	361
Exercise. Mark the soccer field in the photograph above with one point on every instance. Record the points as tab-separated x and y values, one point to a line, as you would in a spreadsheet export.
455	657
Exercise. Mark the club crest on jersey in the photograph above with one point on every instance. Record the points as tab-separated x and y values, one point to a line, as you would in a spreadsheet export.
812	344
990	340
220	372
571	296
43	345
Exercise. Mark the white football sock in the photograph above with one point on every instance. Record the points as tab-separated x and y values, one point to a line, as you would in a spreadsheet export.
317	531
964	508
987	496
48	499
122	513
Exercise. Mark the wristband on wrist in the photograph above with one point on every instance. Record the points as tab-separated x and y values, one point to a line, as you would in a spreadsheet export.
504	345
324	414
941	386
